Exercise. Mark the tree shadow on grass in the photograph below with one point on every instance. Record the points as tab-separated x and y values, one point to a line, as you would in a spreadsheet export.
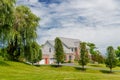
2	63
30	64
107	71
80	69
37	65
95	65
25	63
55	65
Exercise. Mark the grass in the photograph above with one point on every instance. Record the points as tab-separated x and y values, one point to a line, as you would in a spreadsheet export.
97	65
21	71
102	66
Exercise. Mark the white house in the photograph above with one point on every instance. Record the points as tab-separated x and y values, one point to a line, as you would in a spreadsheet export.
70	46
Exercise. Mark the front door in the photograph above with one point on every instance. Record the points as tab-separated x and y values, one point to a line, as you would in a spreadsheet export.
46	60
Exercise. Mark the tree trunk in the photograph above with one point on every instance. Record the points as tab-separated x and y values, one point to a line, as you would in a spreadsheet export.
32	63
82	67
58	64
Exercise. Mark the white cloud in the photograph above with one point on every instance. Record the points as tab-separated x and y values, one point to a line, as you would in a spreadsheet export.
88	20
33	1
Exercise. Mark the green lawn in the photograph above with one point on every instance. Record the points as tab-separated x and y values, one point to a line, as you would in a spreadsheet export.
102	66
20	71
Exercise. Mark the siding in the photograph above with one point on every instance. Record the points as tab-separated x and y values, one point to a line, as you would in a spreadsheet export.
45	50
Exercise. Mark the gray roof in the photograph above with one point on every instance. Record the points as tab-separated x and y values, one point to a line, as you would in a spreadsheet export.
69	42
51	42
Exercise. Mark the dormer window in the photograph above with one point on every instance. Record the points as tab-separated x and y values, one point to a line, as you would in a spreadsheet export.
49	49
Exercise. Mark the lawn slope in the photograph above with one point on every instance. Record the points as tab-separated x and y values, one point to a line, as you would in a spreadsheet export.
20	71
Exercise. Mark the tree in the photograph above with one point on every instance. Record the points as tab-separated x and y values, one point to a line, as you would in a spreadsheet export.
92	50
23	32
18	27
95	54
6	20
59	52
92	47
84	58
111	61
97	57
117	51
33	52
101	59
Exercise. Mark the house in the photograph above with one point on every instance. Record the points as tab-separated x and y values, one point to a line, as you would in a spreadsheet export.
70	46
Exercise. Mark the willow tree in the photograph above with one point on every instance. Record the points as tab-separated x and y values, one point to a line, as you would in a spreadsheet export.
18	27
23	32
111	58
6	16
59	52
33	52
6	20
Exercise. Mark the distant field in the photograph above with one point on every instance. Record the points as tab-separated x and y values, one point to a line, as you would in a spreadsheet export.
20	71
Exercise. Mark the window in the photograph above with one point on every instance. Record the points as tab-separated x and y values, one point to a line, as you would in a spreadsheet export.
49	49
72	49
70	58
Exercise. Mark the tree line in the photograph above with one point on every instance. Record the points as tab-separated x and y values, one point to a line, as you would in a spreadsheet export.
18	35
111	58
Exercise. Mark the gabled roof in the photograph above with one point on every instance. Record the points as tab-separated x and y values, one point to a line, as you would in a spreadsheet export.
69	42
51	42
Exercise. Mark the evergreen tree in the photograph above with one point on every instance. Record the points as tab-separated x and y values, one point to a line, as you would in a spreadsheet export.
59	52
111	61
84	58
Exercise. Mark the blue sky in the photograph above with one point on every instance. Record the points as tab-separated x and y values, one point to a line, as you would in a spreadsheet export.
96	21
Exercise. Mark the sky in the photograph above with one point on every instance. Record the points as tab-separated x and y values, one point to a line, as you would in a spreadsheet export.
96	21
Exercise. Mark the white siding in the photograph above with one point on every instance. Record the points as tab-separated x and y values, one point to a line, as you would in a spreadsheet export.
51	61
42	61
47	46
45	49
